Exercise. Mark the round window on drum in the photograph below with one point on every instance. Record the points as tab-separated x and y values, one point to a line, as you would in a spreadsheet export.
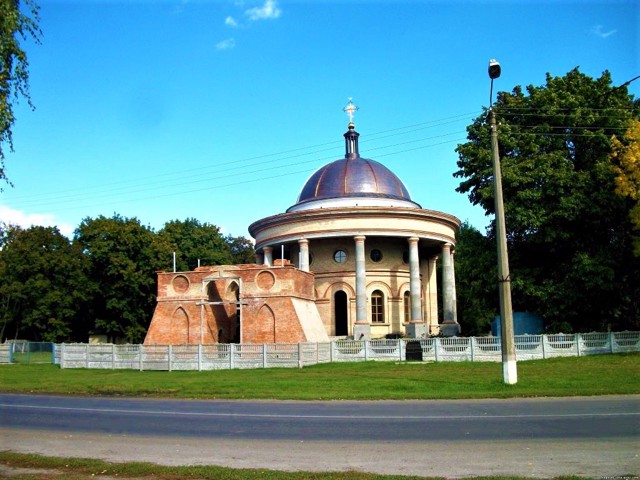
376	255
340	256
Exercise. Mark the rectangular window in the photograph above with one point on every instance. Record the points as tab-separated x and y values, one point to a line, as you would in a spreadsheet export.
377	307
407	307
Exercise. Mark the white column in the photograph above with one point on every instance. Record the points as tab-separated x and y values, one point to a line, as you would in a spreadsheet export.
417	327
268	256
447	287
453	280
432	296
449	325
414	285
303	263
361	328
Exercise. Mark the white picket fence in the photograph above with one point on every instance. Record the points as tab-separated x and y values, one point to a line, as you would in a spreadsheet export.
230	356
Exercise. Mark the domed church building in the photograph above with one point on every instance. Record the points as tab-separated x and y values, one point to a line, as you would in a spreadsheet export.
355	256
371	248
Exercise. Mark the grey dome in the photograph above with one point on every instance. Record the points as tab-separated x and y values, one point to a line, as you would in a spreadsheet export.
355	178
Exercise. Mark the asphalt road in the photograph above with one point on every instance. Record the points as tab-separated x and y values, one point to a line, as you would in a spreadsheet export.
595	436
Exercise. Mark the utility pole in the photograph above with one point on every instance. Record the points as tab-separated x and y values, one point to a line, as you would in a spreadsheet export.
509	366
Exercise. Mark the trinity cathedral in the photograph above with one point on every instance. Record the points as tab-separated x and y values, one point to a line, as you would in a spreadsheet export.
354	257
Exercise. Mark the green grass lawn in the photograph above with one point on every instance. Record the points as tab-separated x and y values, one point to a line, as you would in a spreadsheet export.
33	357
568	376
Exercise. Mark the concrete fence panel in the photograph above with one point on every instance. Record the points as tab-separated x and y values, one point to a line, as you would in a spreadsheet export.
294	355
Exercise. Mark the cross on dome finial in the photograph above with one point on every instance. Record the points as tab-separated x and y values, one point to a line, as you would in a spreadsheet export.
350	109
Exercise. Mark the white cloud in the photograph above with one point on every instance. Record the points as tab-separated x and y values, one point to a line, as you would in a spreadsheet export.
267	11
226	44
230	21
600	32
26	220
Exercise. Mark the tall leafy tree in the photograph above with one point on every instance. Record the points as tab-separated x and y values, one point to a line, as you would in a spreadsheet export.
193	241
16	24
42	286
123	258
569	233
242	250
476	271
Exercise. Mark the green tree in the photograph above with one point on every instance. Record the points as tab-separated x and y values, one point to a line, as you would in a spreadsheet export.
14	67
242	250
193	241
42	277
476	271
123	259
569	233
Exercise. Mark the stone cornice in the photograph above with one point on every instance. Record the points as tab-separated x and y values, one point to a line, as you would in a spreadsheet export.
334	222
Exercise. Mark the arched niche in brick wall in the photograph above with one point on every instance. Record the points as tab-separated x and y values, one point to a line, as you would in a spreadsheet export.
180	325
266	325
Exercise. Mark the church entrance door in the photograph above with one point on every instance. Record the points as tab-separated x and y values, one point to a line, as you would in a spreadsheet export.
340	313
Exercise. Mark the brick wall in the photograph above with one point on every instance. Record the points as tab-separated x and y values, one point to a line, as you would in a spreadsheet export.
268	314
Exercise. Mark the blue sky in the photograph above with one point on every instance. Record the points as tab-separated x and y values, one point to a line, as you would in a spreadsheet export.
220	110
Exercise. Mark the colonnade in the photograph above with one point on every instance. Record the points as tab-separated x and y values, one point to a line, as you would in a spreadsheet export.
417	327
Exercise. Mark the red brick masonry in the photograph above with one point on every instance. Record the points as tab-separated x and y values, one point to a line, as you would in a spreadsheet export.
200	306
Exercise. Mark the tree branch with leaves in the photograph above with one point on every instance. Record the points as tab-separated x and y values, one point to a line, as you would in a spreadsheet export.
625	163
16	25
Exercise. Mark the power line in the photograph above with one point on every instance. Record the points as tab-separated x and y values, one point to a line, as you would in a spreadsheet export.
203	175
246	166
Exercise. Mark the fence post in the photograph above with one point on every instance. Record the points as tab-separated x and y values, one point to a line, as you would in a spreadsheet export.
264	355
366	350
611	341
140	352
544	350
578	338
113	356
170	354
231	349
299	355
199	357
436	346
472	342
331	347
400	345
61	355
86	355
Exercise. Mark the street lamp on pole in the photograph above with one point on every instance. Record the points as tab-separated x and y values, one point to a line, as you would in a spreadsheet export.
509	368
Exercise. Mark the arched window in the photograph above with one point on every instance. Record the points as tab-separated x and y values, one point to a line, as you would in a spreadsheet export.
377	307
407	307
